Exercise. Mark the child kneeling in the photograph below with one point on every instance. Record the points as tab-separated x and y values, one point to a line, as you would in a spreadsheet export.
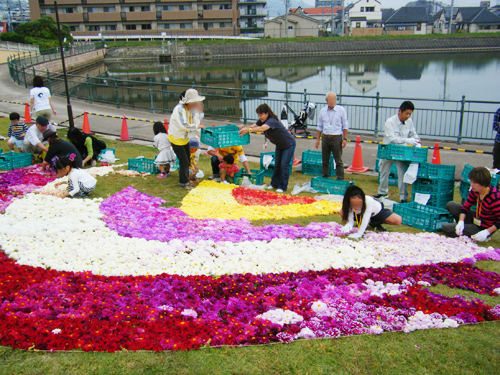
228	168
80	183
366	211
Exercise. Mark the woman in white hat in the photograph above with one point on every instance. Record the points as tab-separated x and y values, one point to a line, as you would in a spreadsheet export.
183	124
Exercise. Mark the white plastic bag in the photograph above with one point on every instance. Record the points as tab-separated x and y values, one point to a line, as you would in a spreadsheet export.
247	184
411	173
200	174
306	187
267	160
108	157
330	198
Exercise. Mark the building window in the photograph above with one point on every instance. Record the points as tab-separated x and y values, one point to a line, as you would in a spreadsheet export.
208	25
128	9
165	7
130	27
68	10
94	28
145	8
370	9
185	25
225	24
166	26
358	25
207	7
183	7
92	10
362	9
146	26
50	11
72	28
290	27
110	27
108	9
225	6
419	26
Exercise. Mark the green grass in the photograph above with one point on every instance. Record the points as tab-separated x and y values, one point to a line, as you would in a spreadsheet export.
467	350
150	43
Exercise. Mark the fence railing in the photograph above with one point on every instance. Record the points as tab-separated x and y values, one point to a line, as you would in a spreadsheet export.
438	119
20	47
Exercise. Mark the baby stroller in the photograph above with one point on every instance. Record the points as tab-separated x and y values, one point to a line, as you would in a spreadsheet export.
299	126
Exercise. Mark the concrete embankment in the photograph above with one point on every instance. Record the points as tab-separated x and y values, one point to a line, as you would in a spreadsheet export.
307	48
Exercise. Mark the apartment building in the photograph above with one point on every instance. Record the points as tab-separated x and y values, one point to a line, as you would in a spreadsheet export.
252	15
143	17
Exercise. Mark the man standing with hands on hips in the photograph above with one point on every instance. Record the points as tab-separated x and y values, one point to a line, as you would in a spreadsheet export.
398	130
333	124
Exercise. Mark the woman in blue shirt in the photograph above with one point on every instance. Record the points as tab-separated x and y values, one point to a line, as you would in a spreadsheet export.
280	136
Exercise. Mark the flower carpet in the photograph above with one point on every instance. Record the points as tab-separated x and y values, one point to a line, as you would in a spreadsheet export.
127	272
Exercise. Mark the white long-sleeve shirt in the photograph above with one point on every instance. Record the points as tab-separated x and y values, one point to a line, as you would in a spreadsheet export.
181	124
372	208
396	132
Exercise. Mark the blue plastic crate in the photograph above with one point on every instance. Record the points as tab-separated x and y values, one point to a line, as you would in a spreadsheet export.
402	153
14	160
143	165
433	187
256	178
393	179
223	136
495	178
436	171
436	200
330	186
312	163
270	170
423	217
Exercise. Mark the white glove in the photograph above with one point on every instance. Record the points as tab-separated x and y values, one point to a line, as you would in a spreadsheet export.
356	236
412	141
459	228
481	236
346	228
225	182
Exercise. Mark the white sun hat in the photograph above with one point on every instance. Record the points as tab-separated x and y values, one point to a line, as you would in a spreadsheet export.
192	96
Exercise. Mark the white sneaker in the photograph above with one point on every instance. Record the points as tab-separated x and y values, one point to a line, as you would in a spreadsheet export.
279	191
270	187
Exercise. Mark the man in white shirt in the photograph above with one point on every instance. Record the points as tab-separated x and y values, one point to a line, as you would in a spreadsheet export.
398	130
33	139
332	122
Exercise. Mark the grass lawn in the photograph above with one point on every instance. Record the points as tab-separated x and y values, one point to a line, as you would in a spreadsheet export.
473	349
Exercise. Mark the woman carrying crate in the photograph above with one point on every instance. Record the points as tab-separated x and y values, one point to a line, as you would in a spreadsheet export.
183	124
285	145
482	222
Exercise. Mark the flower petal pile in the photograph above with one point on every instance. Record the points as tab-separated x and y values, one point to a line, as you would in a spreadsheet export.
214	200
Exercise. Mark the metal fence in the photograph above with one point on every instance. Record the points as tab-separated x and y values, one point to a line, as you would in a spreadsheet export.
20	47
458	120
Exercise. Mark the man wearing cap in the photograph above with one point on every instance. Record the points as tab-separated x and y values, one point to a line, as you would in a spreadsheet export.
184	121
58	147
33	140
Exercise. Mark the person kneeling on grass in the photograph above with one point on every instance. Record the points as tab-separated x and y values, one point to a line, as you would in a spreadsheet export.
194	145
228	168
80	183
486	220
366	211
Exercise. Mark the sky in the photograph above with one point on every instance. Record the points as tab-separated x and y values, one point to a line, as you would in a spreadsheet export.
277	7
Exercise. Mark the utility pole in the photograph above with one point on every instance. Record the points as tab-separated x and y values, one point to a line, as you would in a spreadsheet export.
59	34
331	26
286	19
9	17
451	17
343	15
22	11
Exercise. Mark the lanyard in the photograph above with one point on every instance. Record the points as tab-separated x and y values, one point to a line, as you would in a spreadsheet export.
360	218
479	205
189	115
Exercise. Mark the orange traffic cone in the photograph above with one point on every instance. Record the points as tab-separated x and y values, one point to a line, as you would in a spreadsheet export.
436	157
296	161
27	116
165	124
357	161
86	125
124	134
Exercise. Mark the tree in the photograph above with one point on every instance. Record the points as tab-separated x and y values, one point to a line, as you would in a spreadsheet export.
44	28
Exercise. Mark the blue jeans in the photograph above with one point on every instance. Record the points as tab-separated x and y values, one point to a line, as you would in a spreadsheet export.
215	165
282	159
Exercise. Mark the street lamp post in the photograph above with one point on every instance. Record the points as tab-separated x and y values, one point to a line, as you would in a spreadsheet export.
59	34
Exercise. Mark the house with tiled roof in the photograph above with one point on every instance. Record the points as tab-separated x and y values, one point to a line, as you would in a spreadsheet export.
297	25
364	15
476	19
408	20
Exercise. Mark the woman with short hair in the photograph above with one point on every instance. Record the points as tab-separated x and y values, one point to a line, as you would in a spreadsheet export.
480	223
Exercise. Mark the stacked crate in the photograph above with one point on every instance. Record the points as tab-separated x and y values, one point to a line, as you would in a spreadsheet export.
312	163
270	170
465	183
436	180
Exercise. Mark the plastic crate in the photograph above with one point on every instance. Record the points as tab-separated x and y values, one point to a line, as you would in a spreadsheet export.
14	160
394	168
143	165
402	153
101	154
256	178
433	187
436	171
393	179
223	136
423	217
269	171
312	163
465	176
330	186
436	200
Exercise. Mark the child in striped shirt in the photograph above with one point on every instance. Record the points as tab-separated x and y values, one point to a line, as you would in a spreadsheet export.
17	131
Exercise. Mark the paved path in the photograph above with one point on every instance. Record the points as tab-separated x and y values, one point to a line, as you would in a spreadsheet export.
143	130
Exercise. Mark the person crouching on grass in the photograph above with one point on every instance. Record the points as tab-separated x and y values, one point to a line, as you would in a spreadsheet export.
80	183
485	221
228	168
365	211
